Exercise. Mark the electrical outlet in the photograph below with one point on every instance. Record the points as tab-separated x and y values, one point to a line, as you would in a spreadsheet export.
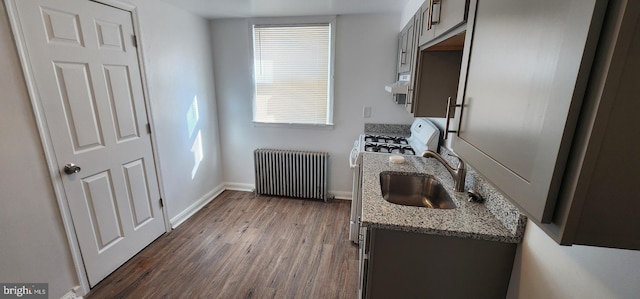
366	112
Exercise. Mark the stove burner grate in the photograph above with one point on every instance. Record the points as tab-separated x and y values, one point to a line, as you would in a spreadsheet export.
389	148
385	139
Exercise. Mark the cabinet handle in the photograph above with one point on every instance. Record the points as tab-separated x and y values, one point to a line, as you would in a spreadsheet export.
435	12
424	23
449	110
403	57
430	15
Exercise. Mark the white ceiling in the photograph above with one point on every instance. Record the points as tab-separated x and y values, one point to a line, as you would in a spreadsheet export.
285	8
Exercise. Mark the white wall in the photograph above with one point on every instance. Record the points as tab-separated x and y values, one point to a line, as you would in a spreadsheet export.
33	245
544	269
365	62
408	12
177	45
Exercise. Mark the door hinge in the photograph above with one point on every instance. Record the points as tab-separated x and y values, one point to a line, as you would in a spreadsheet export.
148	128
161	203
134	38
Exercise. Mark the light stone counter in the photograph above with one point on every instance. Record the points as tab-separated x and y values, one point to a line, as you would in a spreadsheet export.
494	220
387	129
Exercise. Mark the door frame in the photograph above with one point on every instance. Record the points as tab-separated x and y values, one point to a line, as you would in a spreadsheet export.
45	138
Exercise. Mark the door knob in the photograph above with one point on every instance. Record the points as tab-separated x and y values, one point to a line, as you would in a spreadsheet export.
71	168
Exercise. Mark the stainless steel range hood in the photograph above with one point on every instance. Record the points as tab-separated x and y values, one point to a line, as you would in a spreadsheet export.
399	87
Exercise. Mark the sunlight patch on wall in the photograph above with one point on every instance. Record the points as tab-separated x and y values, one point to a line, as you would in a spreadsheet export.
198	155
193	118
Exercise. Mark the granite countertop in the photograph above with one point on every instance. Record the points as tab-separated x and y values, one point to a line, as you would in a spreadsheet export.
494	221
388	129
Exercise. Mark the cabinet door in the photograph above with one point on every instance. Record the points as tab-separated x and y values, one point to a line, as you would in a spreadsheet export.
425	32
402	51
448	14
399	263
411	46
417	18
399	56
526	77
406	48
363	267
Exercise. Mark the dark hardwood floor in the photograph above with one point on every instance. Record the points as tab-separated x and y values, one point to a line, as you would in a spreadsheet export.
242	246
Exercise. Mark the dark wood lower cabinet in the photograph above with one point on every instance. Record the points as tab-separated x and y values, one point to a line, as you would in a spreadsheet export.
411	265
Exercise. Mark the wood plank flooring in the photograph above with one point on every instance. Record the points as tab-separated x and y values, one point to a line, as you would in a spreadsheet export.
242	246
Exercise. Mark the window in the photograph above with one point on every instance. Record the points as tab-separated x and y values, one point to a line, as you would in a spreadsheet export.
293	73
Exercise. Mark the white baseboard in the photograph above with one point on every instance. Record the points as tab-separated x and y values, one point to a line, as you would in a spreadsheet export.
73	294
250	187
341	194
196	206
239	186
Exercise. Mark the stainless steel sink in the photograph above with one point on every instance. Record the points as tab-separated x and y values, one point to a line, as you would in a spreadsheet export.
414	189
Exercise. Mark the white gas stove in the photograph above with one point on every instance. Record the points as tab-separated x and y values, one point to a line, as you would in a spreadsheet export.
424	135
386	144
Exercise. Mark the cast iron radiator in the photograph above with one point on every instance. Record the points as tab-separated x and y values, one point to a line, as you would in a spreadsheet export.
301	174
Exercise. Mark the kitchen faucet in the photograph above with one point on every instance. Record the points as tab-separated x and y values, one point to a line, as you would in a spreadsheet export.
458	174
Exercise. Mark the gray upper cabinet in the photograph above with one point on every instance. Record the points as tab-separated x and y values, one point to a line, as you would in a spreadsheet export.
526	76
436	74
547	108
425	31
402	51
439	17
448	14
407	56
414	57
406	48
598	202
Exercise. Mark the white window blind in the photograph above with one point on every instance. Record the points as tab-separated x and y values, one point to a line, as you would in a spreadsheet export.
292	74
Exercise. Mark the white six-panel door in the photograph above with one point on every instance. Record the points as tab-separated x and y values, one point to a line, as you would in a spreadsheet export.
87	78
